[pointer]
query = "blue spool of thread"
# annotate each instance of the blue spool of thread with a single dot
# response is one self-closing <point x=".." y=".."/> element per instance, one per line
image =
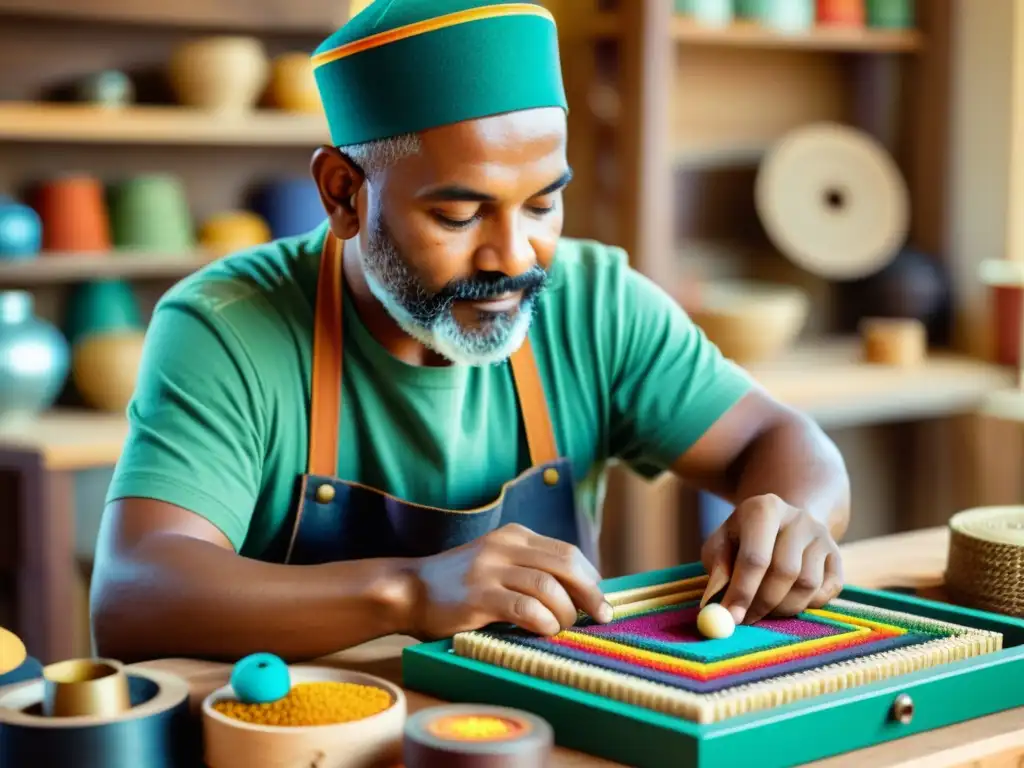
<point x="261" y="678"/>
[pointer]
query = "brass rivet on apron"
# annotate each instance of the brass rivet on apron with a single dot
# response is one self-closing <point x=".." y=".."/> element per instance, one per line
<point x="550" y="476"/>
<point x="325" y="493"/>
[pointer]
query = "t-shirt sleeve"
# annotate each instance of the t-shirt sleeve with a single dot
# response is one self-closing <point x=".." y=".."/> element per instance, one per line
<point x="669" y="384"/>
<point x="195" y="422"/>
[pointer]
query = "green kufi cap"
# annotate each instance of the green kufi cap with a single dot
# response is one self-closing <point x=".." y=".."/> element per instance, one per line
<point x="403" y="66"/>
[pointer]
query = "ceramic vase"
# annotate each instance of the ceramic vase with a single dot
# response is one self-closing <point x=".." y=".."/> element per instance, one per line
<point x="151" y="213"/>
<point x="105" y="366"/>
<point x="109" y="88"/>
<point x="292" y="87"/>
<point x="100" y="307"/>
<point x="74" y="213"/>
<point x="224" y="74"/>
<point x="891" y="14"/>
<point x="105" y="328"/>
<point x="21" y="231"/>
<point x="291" y="206"/>
<point x="788" y="16"/>
<point x="34" y="359"/>
<point x="841" y="13"/>
<point x="233" y="231"/>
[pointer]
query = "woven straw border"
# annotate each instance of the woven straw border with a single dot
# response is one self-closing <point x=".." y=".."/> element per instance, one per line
<point x="985" y="574"/>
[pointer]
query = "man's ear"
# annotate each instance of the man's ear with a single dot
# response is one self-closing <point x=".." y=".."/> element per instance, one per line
<point x="338" y="180"/>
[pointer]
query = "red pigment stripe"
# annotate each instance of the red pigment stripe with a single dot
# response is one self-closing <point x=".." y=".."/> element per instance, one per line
<point x="737" y="668"/>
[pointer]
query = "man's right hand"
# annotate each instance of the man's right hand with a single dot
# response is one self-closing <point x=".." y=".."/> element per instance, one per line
<point x="510" y="575"/>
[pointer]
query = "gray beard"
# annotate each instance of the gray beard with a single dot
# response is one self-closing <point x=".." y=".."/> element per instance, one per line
<point x="428" y="317"/>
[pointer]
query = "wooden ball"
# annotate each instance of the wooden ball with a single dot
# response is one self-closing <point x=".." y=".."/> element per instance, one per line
<point x="714" y="621"/>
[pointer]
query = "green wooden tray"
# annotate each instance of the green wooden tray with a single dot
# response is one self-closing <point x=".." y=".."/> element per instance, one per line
<point x="811" y="729"/>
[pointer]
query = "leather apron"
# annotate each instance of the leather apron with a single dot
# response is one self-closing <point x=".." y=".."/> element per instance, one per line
<point x="339" y="520"/>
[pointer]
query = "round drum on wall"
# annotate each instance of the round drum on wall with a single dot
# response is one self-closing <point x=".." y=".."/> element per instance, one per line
<point x="833" y="201"/>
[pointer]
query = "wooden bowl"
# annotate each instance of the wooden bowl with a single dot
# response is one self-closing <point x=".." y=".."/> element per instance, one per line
<point x="366" y="743"/>
<point x="750" y="320"/>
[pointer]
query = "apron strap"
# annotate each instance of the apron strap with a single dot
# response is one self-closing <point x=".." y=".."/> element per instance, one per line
<point x="325" y="395"/>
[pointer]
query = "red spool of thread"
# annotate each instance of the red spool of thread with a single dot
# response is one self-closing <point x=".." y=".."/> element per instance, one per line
<point x="844" y="13"/>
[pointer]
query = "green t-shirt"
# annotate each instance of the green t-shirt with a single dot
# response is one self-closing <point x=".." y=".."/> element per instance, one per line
<point x="218" y="424"/>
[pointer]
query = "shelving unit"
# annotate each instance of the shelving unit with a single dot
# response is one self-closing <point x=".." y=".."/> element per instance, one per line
<point x="713" y="101"/>
<point x="53" y="269"/>
<point x="162" y="125"/>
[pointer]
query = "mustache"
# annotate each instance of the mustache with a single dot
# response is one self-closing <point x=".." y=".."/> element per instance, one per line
<point x="487" y="285"/>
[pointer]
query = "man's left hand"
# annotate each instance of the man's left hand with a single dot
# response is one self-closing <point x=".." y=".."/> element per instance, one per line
<point x="775" y="558"/>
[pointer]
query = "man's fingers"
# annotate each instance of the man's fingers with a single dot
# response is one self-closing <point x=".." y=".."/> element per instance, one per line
<point x="716" y="555"/>
<point x="563" y="549"/>
<point x="832" y="582"/>
<point x="524" y="611"/>
<point x="808" y="583"/>
<point x="567" y="564"/>
<point x="545" y="588"/>
<point x="753" y="558"/>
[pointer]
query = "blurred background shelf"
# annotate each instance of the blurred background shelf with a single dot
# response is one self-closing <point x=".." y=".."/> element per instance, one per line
<point x="742" y="34"/>
<point x="826" y="379"/>
<point x="85" y="124"/>
<point x="59" y="268"/>
<point x="294" y="16"/>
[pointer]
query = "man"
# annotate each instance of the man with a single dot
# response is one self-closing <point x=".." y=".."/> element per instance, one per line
<point x="397" y="423"/>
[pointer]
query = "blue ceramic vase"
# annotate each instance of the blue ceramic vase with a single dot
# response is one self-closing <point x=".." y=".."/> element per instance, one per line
<point x="34" y="359"/>
<point x="291" y="206"/>
<point x="21" y="231"/>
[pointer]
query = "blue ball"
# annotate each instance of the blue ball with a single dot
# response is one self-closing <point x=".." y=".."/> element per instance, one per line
<point x="260" y="678"/>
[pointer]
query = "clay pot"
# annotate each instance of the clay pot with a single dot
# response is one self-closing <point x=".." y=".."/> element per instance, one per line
<point x="74" y="213"/>
<point x="233" y="231"/>
<point x="224" y="74"/>
<point x="105" y="366"/>
<point x="151" y="213"/>
<point x="845" y="13"/>
<point x="292" y="87"/>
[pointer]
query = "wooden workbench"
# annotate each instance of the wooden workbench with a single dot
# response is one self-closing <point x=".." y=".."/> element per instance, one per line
<point x="907" y="560"/>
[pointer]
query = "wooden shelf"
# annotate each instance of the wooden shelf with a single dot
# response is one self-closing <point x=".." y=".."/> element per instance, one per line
<point x="319" y="17"/>
<point x="752" y="35"/>
<point x="699" y="157"/>
<point x="55" y="268"/>
<point x="828" y="381"/>
<point x="824" y="380"/>
<point x="69" y="439"/>
<point x="82" y="123"/>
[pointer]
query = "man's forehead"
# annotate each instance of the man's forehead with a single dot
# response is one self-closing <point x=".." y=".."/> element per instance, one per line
<point x="523" y="135"/>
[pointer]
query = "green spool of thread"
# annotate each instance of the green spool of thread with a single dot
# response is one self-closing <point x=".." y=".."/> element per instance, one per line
<point x="891" y="14"/>
<point x="101" y="306"/>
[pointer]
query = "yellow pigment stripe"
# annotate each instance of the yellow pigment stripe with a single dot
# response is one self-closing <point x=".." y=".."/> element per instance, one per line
<point x="845" y="619"/>
<point x="430" y="25"/>
<point x="674" y="662"/>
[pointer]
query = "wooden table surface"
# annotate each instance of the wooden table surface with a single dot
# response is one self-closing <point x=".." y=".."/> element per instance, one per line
<point x="907" y="560"/>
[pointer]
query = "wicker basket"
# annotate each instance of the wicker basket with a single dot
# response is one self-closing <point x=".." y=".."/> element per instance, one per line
<point x="986" y="559"/>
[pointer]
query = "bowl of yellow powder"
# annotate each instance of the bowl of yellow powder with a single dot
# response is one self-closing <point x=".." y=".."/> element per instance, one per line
<point x="340" y="718"/>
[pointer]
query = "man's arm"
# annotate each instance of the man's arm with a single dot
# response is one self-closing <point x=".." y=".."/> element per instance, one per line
<point x="777" y="552"/>
<point x="168" y="583"/>
<point x="759" y="448"/>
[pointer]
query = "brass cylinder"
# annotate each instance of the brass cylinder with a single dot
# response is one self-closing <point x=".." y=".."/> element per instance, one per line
<point x="85" y="687"/>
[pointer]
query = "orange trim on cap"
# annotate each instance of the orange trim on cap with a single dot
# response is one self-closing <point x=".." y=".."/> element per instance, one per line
<point x="429" y="25"/>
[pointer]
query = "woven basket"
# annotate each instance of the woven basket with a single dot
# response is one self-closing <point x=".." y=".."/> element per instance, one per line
<point x="986" y="559"/>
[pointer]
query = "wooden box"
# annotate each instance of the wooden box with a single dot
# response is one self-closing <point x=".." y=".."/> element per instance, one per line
<point x="809" y="729"/>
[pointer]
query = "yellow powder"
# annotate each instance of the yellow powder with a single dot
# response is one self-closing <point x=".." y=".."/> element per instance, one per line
<point x="311" y="704"/>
